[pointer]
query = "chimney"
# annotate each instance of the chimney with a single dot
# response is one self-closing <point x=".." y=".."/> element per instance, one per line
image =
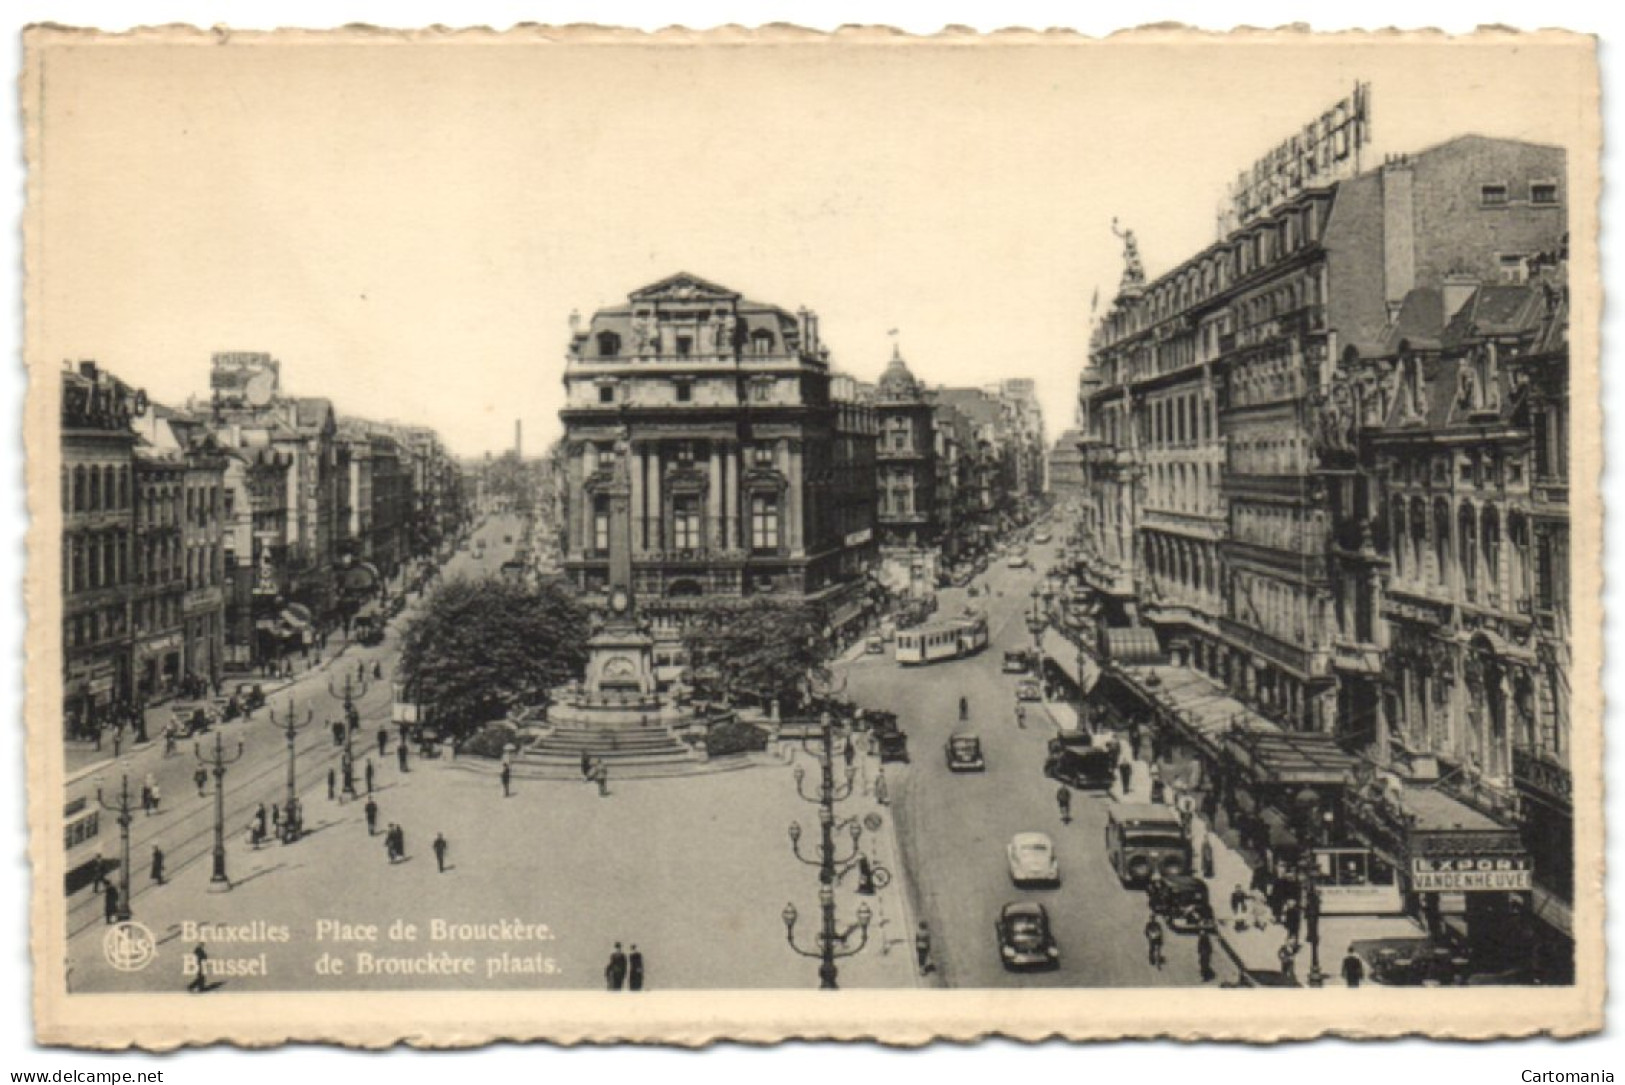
<point x="1458" y="288"/>
<point x="87" y="369"/>
<point x="1398" y="230"/>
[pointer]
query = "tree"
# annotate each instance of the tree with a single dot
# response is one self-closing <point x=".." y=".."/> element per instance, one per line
<point x="760" y="649"/>
<point x="480" y="647"/>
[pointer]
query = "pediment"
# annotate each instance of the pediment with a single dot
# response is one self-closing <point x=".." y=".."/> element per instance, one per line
<point x="684" y="287"/>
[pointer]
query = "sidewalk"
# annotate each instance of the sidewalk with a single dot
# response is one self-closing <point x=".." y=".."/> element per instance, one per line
<point x="1253" y="939"/>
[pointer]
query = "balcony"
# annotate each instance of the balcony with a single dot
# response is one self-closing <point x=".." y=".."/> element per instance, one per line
<point x="1356" y="657"/>
<point x="1308" y="662"/>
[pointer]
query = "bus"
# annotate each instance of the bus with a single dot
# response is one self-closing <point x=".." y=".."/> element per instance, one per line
<point x="934" y="641"/>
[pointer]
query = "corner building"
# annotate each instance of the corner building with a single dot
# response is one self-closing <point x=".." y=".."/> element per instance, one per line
<point x="731" y="427"/>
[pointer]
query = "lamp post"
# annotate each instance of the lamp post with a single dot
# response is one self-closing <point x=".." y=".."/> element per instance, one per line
<point x="121" y="807"/>
<point x="217" y="761"/>
<point x="831" y="944"/>
<point x="352" y="718"/>
<point x="290" y="726"/>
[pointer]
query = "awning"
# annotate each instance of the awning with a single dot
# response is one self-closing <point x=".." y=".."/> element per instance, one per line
<point x="297" y="615"/>
<point x="1288" y="758"/>
<point x="1134" y="646"/>
<point x="1202" y="708"/>
<point x="1067" y="657"/>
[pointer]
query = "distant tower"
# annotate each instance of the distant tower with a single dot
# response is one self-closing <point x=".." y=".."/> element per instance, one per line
<point x="519" y="438"/>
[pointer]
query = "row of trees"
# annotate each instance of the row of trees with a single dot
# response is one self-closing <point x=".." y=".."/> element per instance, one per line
<point x="479" y="648"/>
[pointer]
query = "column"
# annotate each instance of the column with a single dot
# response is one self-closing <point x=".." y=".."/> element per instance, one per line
<point x="796" y="497"/>
<point x="731" y="497"/>
<point x="635" y="469"/>
<point x="713" y="501"/>
<point x="656" y="513"/>
<point x="578" y="499"/>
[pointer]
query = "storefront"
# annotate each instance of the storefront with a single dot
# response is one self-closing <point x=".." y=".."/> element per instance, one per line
<point x="1546" y="815"/>
<point x="1463" y="873"/>
<point x="158" y="665"/>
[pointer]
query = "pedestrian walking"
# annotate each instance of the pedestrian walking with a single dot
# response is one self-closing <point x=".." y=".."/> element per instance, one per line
<point x="110" y="901"/>
<point x="400" y="755"/>
<point x="1291" y="918"/>
<point x="360" y="671"/>
<point x="922" y="949"/>
<point x="440" y="851"/>
<point x="349" y="780"/>
<point x="332" y="784"/>
<point x="1289" y="960"/>
<point x="1063" y="799"/>
<point x="1353" y="969"/>
<point x="383" y="741"/>
<point x="146" y="799"/>
<point x="157" y="799"/>
<point x="1125" y="773"/>
<point x="634" y="970"/>
<point x="276" y="818"/>
<point x="1207" y="854"/>
<point x="866" y="876"/>
<point x="602" y="773"/>
<point x="1134" y="740"/>
<point x="389" y="842"/>
<point x="507" y="776"/>
<point x="882" y="793"/>
<point x="372" y="817"/>
<point x="369" y="775"/>
<point x="1204" y="955"/>
<point x="338" y="733"/>
<point x="586" y="765"/>
<point x="1153" y="942"/>
<point x="400" y="842"/>
<point x="849" y="752"/>
<point x="199" y="957"/>
<point x="157" y="865"/>
<point x="615" y="971"/>
<point x="98" y="873"/>
<point x="377" y="671"/>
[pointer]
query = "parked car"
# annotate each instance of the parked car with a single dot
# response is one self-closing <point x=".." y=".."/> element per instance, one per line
<point x="1182" y="901"/>
<point x="1028" y="690"/>
<point x="1016" y="662"/>
<point x="1032" y="860"/>
<point x="1082" y="760"/>
<point x="875" y="644"/>
<point x="1041" y="538"/>
<point x="964" y="753"/>
<point x="1025" y="938"/>
<point x="1017" y="561"/>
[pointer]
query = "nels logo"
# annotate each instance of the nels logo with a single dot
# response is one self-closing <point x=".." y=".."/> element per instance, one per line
<point x="129" y="946"/>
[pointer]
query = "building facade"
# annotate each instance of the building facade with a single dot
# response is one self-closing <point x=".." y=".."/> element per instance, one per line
<point x="725" y="406"/>
<point x="98" y="510"/>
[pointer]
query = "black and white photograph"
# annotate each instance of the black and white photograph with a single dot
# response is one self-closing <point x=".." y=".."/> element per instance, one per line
<point x="829" y="524"/>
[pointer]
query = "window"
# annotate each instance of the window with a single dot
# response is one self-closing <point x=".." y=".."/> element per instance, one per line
<point x="600" y="525"/>
<point x="1513" y="267"/>
<point x="1543" y="192"/>
<point x="764" y="522"/>
<point x="762" y="455"/>
<point x="685" y="345"/>
<point x="1493" y="195"/>
<point x="685" y="522"/>
<point x="761" y="342"/>
<point x="606" y="393"/>
<point x="609" y="344"/>
<point x="685" y="391"/>
<point x="685" y="453"/>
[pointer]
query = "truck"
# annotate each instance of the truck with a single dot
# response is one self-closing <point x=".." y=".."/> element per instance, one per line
<point x="1146" y="838"/>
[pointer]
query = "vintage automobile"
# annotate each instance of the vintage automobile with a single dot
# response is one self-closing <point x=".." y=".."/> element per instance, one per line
<point x="1032" y="860"/>
<point x="1029" y="690"/>
<point x="964" y="752"/>
<point x="1025" y="939"/>
<point x="1182" y="901"/>
<point x="891" y="741"/>
<point x="1082" y="760"/>
<point x="1042" y="538"/>
<point x="194" y="717"/>
<point x="875" y="644"/>
<point x="1017" y="561"/>
<point x="1018" y="661"/>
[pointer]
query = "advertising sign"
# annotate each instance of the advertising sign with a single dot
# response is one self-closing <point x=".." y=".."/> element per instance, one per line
<point x="1326" y="150"/>
<point x="1444" y="874"/>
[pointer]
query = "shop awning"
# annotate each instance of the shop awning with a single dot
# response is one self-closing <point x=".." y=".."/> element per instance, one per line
<point x="1202" y="707"/>
<point x="1135" y="646"/>
<point x="1288" y="758"/>
<point x="1067" y="657"/>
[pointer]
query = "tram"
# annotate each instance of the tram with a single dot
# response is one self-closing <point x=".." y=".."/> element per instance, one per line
<point x="932" y="642"/>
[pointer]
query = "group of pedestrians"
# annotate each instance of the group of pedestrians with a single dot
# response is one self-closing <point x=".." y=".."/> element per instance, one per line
<point x="395" y="843"/>
<point x="624" y="970"/>
<point x="150" y="795"/>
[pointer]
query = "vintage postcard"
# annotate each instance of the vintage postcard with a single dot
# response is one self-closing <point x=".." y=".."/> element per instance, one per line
<point x="590" y="535"/>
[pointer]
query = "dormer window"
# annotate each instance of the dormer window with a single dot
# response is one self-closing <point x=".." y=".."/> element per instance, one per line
<point x="761" y="342"/>
<point x="609" y="344"/>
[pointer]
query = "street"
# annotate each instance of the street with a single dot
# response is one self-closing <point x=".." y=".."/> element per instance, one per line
<point x="955" y="826"/>
<point x="184" y="825"/>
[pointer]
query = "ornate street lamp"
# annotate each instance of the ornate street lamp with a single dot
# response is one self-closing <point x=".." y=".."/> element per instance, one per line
<point x="832" y="944"/>
<point x="218" y="762"/>
<point x="830" y="869"/>
<point x="292" y="823"/>
<point x="121" y="807"/>
<point x="352" y="718"/>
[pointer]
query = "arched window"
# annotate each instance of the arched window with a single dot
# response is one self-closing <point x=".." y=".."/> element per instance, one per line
<point x="109" y="488"/>
<point x="1441" y="541"/>
<point x="1467" y="547"/>
<point x="1490" y="542"/>
<point x="1396" y="532"/>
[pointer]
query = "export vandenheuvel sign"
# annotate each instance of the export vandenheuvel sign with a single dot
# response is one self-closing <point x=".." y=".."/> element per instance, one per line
<point x="1447" y="874"/>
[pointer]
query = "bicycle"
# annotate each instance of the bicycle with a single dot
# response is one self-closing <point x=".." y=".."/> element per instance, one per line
<point x="878" y="874"/>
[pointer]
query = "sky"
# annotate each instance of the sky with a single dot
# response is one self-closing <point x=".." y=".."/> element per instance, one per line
<point x="409" y="226"/>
